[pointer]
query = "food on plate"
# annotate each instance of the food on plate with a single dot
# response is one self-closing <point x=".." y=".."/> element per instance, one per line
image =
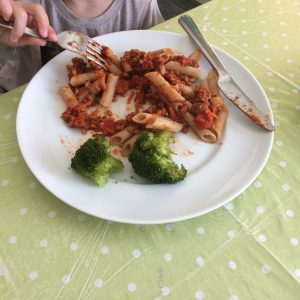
<point x="93" y="160"/>
<point x="164" y="91"/>
<point x="151" y="158"/>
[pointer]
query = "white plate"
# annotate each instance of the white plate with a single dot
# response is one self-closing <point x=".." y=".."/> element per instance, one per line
<point x="216" y="173"/>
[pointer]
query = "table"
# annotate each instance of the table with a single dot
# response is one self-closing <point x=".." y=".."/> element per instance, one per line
<point x="248" y="249"/>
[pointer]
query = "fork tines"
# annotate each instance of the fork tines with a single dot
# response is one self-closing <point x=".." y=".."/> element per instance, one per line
<point x="96" y="54"/>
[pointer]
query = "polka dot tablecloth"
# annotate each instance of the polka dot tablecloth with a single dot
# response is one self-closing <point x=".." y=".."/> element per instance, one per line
<point x="249" y="249"/>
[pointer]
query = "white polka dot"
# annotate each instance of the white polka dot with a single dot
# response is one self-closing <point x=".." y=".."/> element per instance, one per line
<point x="262" y="238"/>
<point x="257" y="184"/>
<point x="33" y="275"/>
<point x="265" y="269"/>
<point x="243" y="9"/>
<point x="167" y="26"/>
<point x="286" y="47"/>
<point x="279" y="143"/>
<point x="52" y="214"/>
<point x="289" y="61"/>
<point x="294" y="241"/>
<point x="259" y="210"/>
<point x="165" y="291"/>
<point x="105" y="250"/>
<point x="231" y="234"/>
<point x="7" y="116"/>
<point x="224" y="30"/>
<point x="295" y="92"/>
<point x="131" y="287"/>
<point x="74" y="246"/>
<point x="297" y="272"/>
<point x="264" y="33"/>
<point x="224" y="7"/>
<point x="81" y="217"/>
<point x="23" y="211"/>
<point x="267" y="59"/>
<point x="286" y="187"/>
<point x="66" y="279"/>
<point x="232" y="265"/>
<point x="200" y="261"/>
<point x="98" y="283"/>
<point x="245" y="44"/>
<point x="12" y="239"/>
<point x="14" y="159"/>
<point x="282" y="164"/>
<point x="291" y="75"/>
<point x="269" y="73"/>
<point x="201" y="230"/>
<point x="229" y="206"/>
<point x="225" y="43"/>
<point x="224" y="19"/>
<point x="199" y="295"/>
<point x="271" y="89"/>
<point x="290" y="213"/>
<point x="170" y="227"/>
<point x="32" y="185"/>
<point x="4" y="182"/>
<point x="261" y="11"/>
<point x="3" y="270"/>
<point x="246" y="57"/>
<point x="136" y="253"/>
<point x="233" y="297"/>
<point x="266" y="46"/>
<point x="168" y="257"/>
<point x="284" y="35"/>
<point x="43" y="243"/>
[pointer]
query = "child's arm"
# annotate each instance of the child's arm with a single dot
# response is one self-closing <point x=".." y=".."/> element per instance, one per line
<point x="24" y="14"/>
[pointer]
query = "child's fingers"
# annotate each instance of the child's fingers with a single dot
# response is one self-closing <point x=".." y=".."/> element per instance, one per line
<point x="39" y="15"/>
<point x="26" y="40"/>
<point x="52" y="34"/>
<point x="20" y="22"/>
<point x="6" y="9"/>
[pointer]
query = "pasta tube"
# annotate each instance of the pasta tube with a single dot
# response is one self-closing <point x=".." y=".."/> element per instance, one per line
<point x="109" y="91"/>
<point x="185" y="70"/>
<point x="122" y="136"/>
<point x="212" y="81"/>
<point x="129" y="144"/>
<point x="68" y="96"/>
<point x="80" y="79"/>
<point x="164" y="87"/>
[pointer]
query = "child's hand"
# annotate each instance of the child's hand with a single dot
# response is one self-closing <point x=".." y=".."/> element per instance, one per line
<point x="22" y="15"/>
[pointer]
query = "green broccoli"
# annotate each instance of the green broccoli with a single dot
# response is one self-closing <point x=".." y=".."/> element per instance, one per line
<point x="151" y="158"/>
<point x="94" y="161"/>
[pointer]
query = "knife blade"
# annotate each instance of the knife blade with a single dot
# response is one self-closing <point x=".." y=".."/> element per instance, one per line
<point x="226" y="83"/>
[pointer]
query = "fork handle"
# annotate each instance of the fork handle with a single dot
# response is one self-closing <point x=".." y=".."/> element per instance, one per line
<point x="28" y="31"/>
<point x="200" y="40"/>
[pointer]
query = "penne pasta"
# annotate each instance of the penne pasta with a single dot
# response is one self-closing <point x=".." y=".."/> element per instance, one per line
<point x="218" y="128"/>
<point x="122" y="136"/>
<point x="196" y="55"/>
<point x="185" y="70"/>
<point x="80" y="79"/>
<point x="142" y="118"/>
<point x="109" y="91"/>
<point x="162" y="123"/>
<point x="212" y="81"/>
<point x="114" y="69"/>
<point x="205" y="135"/>
<point x="68" y="96"/>
<point x="129" y="144"/>
<point x="164" y="87"/>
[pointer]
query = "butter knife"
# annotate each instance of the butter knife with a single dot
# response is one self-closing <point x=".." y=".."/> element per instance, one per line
<point x="226" y="83"/>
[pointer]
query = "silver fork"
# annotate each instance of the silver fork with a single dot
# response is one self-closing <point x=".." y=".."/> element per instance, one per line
<point x="73" y="41"/>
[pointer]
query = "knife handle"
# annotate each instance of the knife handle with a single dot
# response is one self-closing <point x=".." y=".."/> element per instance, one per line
<point x="200" y="40"/>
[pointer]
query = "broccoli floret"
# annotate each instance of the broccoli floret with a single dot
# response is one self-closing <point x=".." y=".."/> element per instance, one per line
<point x="151" y="158"/>
<point x="94" y="161"/>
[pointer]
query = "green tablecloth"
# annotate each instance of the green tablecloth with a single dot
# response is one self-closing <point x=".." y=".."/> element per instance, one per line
<point x="249" y="249"/>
